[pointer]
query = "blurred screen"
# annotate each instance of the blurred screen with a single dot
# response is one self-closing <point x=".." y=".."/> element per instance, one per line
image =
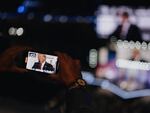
<point x="126" y="64"/>
<point x="110" y="23"/>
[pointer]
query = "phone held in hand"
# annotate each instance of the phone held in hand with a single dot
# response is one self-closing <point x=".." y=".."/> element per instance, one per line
<point x="42" y="62"/>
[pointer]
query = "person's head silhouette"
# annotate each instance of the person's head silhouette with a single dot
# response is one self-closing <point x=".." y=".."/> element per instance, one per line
<point x="124" y="17"/>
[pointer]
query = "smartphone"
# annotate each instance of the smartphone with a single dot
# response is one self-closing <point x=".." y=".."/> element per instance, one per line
<point x="42" y="62"/>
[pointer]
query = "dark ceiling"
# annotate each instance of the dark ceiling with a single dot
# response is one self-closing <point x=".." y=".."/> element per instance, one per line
<point x="68" y="7"/>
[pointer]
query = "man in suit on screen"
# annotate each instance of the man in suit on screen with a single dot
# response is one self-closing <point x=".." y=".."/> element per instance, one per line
<point x="126" y="30"/>
<point x="42" y="64"/>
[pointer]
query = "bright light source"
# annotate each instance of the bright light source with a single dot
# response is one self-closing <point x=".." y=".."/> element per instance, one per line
<point x="21" y="9"/>
<point x="19" y="31"/>
<point x="128" y="64"/>
<point x="93" y="58"/>
<point x="47" y="18"/>
<point x="119" y="43"/>
<point x="144" y="45"/>
<point x="12" y="31"/>
<point x="138" y="45"/>
<point x="106" y="24"/>
<point x="149" y="45"/>
<point x="132" y="45"/>
<point x="125" y="44"/>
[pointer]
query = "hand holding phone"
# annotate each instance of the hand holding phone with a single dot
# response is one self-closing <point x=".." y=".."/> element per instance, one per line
<point x="8" y="59"/>
<point x="68" y="72"/>
<point x="69" y="69"/>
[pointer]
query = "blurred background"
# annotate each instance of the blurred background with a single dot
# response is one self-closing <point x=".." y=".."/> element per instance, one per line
<point x="89" y="30"/>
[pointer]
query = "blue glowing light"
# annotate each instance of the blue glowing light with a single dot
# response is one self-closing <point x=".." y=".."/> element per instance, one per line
<point x="21" y="9"/>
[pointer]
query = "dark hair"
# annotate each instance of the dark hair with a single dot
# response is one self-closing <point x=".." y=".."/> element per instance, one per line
<point x="125" y="14"/>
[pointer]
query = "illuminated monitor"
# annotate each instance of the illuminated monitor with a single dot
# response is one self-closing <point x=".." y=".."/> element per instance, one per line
<point x="127" y="66"/>
<point x="123" y="22"/>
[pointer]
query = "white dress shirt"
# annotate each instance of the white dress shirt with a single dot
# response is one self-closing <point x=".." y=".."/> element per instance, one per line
<point x="125" y="29"/>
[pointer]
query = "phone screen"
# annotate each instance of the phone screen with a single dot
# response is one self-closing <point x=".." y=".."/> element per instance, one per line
<point x="42" y="62"/>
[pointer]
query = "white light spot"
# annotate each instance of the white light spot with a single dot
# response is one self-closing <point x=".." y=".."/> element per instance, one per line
<point x="12" y="31"/>
<point x="19" y="31"/>
<point x="47" y="18"/>
<point x="144" y="45"/>
<point x="93" y="58"/>
<point x="138" y="45"/>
